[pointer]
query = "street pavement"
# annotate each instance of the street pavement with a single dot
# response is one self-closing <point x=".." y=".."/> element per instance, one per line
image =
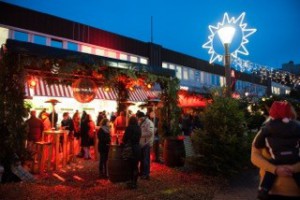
<point x="243" y="187"/>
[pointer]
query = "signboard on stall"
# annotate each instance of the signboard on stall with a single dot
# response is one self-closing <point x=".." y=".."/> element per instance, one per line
<point x="84" y="90"/>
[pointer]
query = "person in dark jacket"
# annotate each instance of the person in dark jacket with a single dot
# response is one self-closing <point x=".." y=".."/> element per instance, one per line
<point x="35" y="129"/>
<point x="87" y="128"/>
<point x="281" y="135"/>
<point x="132" y="137"/>
<point x="103" y="146"/>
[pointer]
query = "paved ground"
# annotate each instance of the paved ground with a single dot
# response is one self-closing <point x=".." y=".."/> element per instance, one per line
<point x="243" y="187"/>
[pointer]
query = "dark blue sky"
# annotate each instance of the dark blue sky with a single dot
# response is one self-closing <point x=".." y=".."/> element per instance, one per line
<point x="183" y="25"/>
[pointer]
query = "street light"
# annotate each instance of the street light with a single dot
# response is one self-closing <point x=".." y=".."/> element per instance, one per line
<point x="226" y="35"/>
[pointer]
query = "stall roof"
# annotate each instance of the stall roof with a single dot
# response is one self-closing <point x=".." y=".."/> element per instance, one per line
<point x="58" y="90"/>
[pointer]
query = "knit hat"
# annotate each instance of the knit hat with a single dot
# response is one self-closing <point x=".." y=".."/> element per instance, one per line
<point x="281" y="110"/>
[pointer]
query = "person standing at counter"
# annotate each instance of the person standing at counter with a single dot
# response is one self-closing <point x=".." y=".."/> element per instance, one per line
<point x="87" y="130"/>
<point x="68" y="124"/>
<point x="76" y="121"/>
<point x="103" y="146"/>
<point x="35" y="129"/>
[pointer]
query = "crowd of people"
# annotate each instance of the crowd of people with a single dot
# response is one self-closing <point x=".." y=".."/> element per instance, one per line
<point x="137" y="131"/>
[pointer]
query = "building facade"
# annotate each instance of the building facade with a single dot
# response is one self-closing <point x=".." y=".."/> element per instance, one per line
<point x="196" y="75"/>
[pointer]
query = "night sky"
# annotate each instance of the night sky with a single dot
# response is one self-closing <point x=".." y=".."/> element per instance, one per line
<point x="183" y="25"/>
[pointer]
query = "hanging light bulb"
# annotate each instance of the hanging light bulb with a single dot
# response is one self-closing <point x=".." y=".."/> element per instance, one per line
<point x="32" y="82"/>
<point x="106" y="89"/>
<point x="149" y="85"/>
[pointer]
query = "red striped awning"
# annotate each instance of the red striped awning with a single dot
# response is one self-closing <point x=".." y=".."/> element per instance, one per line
<point x="59" y="90"/>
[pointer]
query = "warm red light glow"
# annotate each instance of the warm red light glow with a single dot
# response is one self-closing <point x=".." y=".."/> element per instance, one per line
<point x="131" y="88"/>
<point x="106" y="89"/>
<point x="190" y="100"/>
<point x="32" y="83"/>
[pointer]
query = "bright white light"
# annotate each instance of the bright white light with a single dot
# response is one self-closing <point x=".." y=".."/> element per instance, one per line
<point x="239" y="22"/>
<point x="226" y="34"/>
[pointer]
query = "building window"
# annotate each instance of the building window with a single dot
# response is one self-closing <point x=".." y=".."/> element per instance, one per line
<point x="171" y="66"/>
<point x="202" y="77"/>
<point x="144" y="61"/>
<point x="22" y="36"/>
<point x="86" y="49"/>
<point x="123" y="56"/>
<point x="192" y="75"/>
<point x="56" y="43"/>
<point x="165" y="65"/>
<point x="275" y="90"/>
<point x="185" y="74"/>
<point x="38" y="39"/>
<point x="287" y="92"/>
<point x="133" y="59"/>
<point x="213" y="79"/>
<point x="197" y="76"/>
<point x="4" y="35"/>
<point x="217" y="80"/>
<point x="222" y="81"/>
<point x="72" y="46"/>
<point x="179" y="72"/>
<point x="100" y="52"/>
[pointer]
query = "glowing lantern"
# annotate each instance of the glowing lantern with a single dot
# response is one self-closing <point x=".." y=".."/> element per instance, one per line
<point x="106" y="89"/>
<point x="84" y="90"/>
<point x="32" y="83"/>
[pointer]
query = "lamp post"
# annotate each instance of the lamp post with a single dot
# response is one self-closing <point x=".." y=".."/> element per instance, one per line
<point x="226" y="35"/>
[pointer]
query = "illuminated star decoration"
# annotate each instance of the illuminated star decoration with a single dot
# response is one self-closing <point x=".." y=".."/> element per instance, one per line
<point x="239" y="22"/>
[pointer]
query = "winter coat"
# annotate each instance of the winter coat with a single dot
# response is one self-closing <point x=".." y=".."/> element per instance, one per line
<point x="132" y="136"/>
<point x="281" y="139"/>
<point x="85" y="128"/>
<point x="104" y="139"/>
<point x="147" y="128"/>
<point x="36" y="128"/>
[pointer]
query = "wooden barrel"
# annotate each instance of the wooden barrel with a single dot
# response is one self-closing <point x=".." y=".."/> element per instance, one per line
<point x="174" y="152"/>
<point x="118" y="169"/>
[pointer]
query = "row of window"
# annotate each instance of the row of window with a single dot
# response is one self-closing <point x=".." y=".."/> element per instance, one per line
<point x="70" y="45"/>
<point x="196" y="78"/>
<point x="187" y="74"/>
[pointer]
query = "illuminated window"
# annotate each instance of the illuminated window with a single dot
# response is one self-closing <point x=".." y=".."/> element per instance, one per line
<point x="171" y="66"/>
<point x="4" y="34"/>
<point x="56" y="43"/>
<point x="222" y="81"/>
<point x="100" y="52"/>
<point x="202" y="77"/>
<point x="38" y="39"/>
<point x="133" y="59"/>
<point x="185" y="74"/>
<point x="179" y="72"/>
<point x="197" y="76"/>
<point x="287" y="91"/>
<point x="86" y="49"/>
<point x="144" y="61"/>
<point x="275" y="90"/>
<point x="192" y="74"/>
<point x="72" y="46"/>
<point x="22" y="36"/>
<point x="164" y="65"/>
<point x="112" y="54"/>
<point x="123" y="56"/>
